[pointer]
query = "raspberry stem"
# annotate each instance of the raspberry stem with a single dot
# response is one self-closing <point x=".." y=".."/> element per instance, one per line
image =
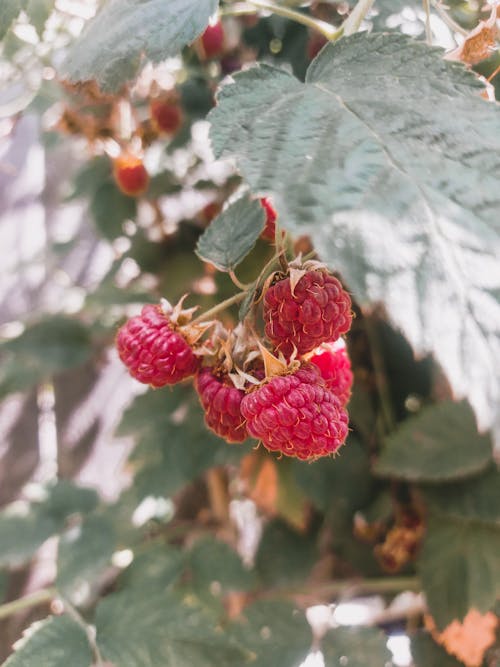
<point x="326" y="29"/>
<point x="27" y="602"/>
<point x="237" y="298"/>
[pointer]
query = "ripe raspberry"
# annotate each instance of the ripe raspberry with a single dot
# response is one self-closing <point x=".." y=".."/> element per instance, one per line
<point x="213" y="40"/>
<point x="335" y="368"/>
<point x="296" y="415"/>
<point x="130" y="175"/>
<point x="167" y="116"/>
<point x="318" y="311"/>
<point x="271" y="216"/>
<point x="153" y="351"/>
<point x="221" y="401"/>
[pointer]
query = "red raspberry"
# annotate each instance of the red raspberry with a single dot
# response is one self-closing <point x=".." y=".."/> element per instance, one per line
<point x="296" y="415"/>
<point x="335" y="368"/>
<point x="130" y="175"/>
<point x="153" y="351"/>
<point x="213" y="40"/>
<point x="318" y="311"/>
<point x="271" y="216"/>
<point x="167" y="116"/>
<point x="221" y="401"/>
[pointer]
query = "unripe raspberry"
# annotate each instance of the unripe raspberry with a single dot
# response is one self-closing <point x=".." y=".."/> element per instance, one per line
<point x="271" y="216"/>
<point x="335" y="368"/>
<point x="221" y="401"/>
<point x="296" y="415"/>
<point x="153" y="351"/>
<point x="317" y="311"/>
<point x="130" y="175"/>
<point x="167" y="116"/>
<point x="212" y="40"/>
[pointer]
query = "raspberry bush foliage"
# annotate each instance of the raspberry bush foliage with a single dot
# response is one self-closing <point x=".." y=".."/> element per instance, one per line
<point x="250" y="333"/>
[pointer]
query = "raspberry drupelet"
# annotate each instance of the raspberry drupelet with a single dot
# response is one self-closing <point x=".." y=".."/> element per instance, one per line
<point x="221" y="402"/>
<point x="297" y="415"/>
<point x="335" y="368"/>
<point x="317" y="310"/>
<point x="154" y="352"/>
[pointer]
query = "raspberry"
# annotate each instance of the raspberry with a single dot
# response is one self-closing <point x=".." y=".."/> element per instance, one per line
<point x="296" y="415"/>
<point x="335" y="368"/>
<point x="318" y="311"/>
<point x="213" y="40"/>
<point x="130" y="175"/>
<point x="153" y="351"/>
<point x="221" y="401"/>
<point x="271" y="216"/>
<point x="167" y="116"/>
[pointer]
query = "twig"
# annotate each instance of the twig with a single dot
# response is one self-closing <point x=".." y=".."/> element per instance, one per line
<point x="453" y="25"/>
<point x="428" y="31"/>
<point x="356" y="17"/>
<point x="32" y="600"/>
<point x="380" y="376"/>
<point x="328" y="30"/>
<point x="78" y="618"/>
<point x="220" y="307"/>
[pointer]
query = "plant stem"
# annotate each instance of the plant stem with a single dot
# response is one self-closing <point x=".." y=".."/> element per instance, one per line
<point x="238" y="282"/>
<point x="220" y="307"/>
<point x="453" y="25"/>
<point x="428" y="31"/>
<point x="32" y="600"/>
<point x="355" y="18"/>
<point x="78" y="618"/>
<point x="326" y="29"/>
<point x="380" y="375"/>
<point x="350" y="588"/>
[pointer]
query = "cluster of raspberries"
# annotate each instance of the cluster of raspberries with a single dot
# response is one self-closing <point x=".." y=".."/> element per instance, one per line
<point x="300" y="411"/>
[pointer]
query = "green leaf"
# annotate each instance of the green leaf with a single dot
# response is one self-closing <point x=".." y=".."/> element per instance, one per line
<point x="212" y="561"/>
<point x="53" y="642"/>
<point x="459" y="567"/>
<point x="84" y="551"/>
<point x="345" y="479"/>
<point x="9" y="11"/>
<point x="174" y="445"/>
<point x="38" y="12"/>
<point x="275" y="633"/>
<point x="427" y="653"/>
<point x="150" y="629"/>
<point x="50" y="346"/>
<point x="284" y="557"/>
<point x="475" y="499"/>
<point x="156" y="569"/>
<point x="24" y="528"/>
<point x="111" y="208"/>
<point x="388" y="158"/>
<point x="111" y="48"/>
<point x="441" y="443"/>
<point x="232" y="235"/>
<point x="362" y="648"/>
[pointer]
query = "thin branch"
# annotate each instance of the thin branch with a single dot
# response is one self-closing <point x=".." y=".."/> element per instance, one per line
<point x="326" y="29"/>
<point x="32" y="600"/>
<point x="237" y="298"/>
<point x="428" y="31"/>
<point x="89" y="631"/>
<point x="356" y="17"/>
<point x="453" y="25"/>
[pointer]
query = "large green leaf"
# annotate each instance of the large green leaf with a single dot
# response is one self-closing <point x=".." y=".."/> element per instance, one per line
<point x="476" y="499"/>
<point x="174" y="445"/>
<point x="232" y="234"/>
<point x="212" y="561"/>
<point x="274" y="633"/>
<point x="23" y="529"/>
<point x="439" y="444"/>
<point x="111" y="48"/>
<point x="84" y="551"/>
<point x="459" y="566"/>
<point x="50" y="346"/>
<point x="361" y="647"/>
<point x="9" y="10"/>
<point x="427" y="653"/>
<point x="54" y="642"/>
<point x="153" y="629"/>
<point x="388" y="157"/>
